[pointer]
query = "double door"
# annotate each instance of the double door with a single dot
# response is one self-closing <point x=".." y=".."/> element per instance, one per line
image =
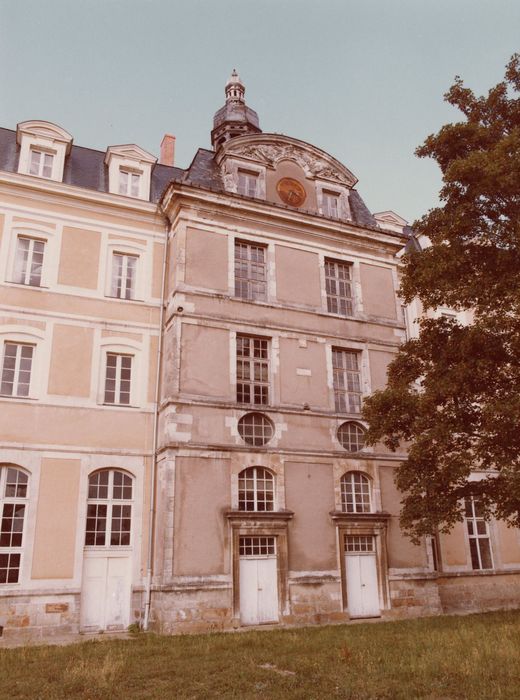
<point x="106" y="592"/>
<point x="258" y="581"/>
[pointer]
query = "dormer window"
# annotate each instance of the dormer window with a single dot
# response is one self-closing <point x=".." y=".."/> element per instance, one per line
<point x="330" y="204"/>
<point x="43" y="149"/>
<point x="247" y="183"/>
<point x="129" y="183"/>
<point x="129" y="171"/>
<point x="41" y="163"/>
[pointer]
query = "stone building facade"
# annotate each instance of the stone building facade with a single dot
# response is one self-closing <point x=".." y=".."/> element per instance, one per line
<point x="184" y="358"/>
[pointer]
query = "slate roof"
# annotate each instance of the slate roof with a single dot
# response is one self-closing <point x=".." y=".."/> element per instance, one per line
<point x="85" y="167"/>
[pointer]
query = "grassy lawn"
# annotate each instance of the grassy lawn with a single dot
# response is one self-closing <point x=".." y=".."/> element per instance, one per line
<point x="438" y="658"/>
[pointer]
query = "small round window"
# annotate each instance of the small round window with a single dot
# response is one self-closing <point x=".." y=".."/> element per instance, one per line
<point x="351" y="436"/>
<point x="255" y="429"/>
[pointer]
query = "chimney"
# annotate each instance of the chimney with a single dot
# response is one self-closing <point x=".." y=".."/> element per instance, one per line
<point x="167" y="150"/>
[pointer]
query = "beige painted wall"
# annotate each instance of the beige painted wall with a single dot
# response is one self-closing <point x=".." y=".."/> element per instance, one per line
<point x="205" y="361"/>
<point x="158" y="254"/>
<point x="508" y="543"/>
<point x="206" y="260"/>
<point x="379" y="362"/>
<point x="378" y="291"/>
<point x="287" y="168"/>
<point x="297" y="276"/>
<point x="401" y="552"/>
<point x="202" y="493"/>
<point x="2" y="219"/>
<point x="71" y="361"/>
<point x="79" y="259"/>
<point x="152" y="368"/>
<point x="296" y="387"/>
<point x="56" y="519"/>
<point x="309" y="492"/>
<point x="453" y="546"/>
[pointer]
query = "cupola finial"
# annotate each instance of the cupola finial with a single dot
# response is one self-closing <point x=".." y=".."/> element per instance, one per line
<point x="235" y="89"/>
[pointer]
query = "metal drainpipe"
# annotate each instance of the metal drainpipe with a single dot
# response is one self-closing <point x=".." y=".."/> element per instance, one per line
<point x="153" y="470"/>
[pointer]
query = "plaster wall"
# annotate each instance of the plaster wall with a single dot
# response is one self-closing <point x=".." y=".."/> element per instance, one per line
<point x="206" y="260"/>
<point x="378" y="291"/>
<point x="55" y="535"/>
<point x="79" y="258"/>
<point x="71" y="361"/>
<point x="309" y="492"/>
<point x="203" y="492"/>
<point x="379" y="361"/>
<point x="303" y="373"/>
<point x="402" y="554"/>
<point x="205" y="361"/>
<point x="297" y="276"/>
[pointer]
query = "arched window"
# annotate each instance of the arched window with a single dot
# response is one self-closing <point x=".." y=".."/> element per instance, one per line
<point x="255" y="489"/>
<point x="355" y="493"/>
<point x="109" y="509"/>
<point x="13" y="504"/>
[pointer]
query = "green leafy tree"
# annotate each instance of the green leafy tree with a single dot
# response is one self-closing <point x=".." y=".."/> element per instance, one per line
<point x="453" y="394"/>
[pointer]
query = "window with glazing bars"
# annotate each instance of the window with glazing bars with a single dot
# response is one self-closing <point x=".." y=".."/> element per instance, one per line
<point x="330" y="204"/>
<point x="123" y="275"/>
<point x="338" y="285"/>
<point x="355" y="493"/>
<point x="252" y="370"/>
<point x="347" y="381"/>
<point x="16" y="369"/>
<point x="247" y="183"/>
<point x="255" y="489"/>
<point x="109" y="513"/>
<point x="250" y="271"/>
<point x="118" y="378"/>
<point x="359" y="543"/>
<point x="257" y="546"/>
<point x="28" y="261"/>
<point x="41" y="163"/>
<point x="13" y="504"/>
<point x="478" y="533"/>
<point x="129" y="183"/>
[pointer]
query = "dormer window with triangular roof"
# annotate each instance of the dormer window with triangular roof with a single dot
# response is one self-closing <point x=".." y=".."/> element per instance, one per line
<point x="129" y="171"/>
<point x="43" y="149"/>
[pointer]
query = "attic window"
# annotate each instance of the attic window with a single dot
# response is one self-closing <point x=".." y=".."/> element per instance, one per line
<point x="129" y="183"/>
<point x="41" y="163"/>
<point x="330" y="204"/>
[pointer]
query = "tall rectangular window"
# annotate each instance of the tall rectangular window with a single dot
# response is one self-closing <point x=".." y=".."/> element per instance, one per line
<point x="13" y="504"/>
<point x="252" y="370"/>
<point x="124" y="269"/>
<point x="247" y="183"/>
<point x="129" y="183"/>
<point x="330" y="204"/>
<point x="478" y="533"/>
<point x="41" y="163"/>
<point x="250" y="271"/>
<point x="118" y="379"/>
<point x="28" y="262"/>
<point x="16" y="369"/>
<point x="338" y="284"/>
<point x="347" y="381"/>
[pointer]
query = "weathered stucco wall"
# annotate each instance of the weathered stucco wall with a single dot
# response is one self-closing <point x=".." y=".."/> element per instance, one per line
<point x="206" y="260"/>
<point x="378" y="291"/>
<point x="297" y="276"/>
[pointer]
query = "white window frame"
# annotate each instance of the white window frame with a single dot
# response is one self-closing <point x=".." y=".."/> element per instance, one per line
<point x="119" y="284"/>
<point x="132" y="159"/>
<point x="253" y="473"/>
<point x="17" y="370"/>
<point x="138" y="381"/>
<point x="50" y="261"/>
<point x="43" y="165"/>
<point x="25" y="271"/>
<point x="130" y="182"/>
<point x="28" y="335"/>
<point x="474" y="520"/>
<point x="324" y="189"/>
<point x="142" y="267"/>
<point x="231" y="166"/>
<point x="246" y="178"/>
<point x="17" y="500"/>
<point x="249" y="279"/>
<point x="252" y="383"/>
<point x="120" y="360"/>
<point x="359" y="502"/>
<point x="346" y="371"/>
<point x="110" y="502"/>
<point x="337" y="279"/>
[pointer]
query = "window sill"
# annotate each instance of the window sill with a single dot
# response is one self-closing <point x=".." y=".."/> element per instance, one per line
<point x="26" y="284"/>
<point x="19" y="398"/>
<point x="109" y="296"/>
<point x="119" y="405"/>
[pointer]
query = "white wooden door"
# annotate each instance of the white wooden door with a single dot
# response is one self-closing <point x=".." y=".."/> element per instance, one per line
<point x="362" y="588"/>
<point x="105" y="594"/>
<point x="258" y="583"/>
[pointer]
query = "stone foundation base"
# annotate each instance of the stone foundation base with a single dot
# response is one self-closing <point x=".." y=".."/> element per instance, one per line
<point x="479" y="592"/>
<point x="34" y="617"/>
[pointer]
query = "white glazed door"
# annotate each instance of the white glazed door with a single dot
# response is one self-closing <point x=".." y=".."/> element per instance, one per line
<point x="258" y="581"/>
<point x="361" y="571"/>
<point x="105" y="597"/>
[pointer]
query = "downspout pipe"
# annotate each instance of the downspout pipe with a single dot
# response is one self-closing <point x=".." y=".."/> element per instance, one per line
<point x="153" y="468"/>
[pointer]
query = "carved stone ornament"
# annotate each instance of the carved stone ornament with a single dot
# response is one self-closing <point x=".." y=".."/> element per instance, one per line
<point x="313" y="166"/>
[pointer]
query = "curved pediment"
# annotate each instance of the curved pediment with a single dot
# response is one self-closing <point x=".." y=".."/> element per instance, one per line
<point x="270" y="149"/>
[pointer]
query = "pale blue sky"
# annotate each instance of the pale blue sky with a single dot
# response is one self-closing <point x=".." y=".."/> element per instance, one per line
<point x="361" y="79"/>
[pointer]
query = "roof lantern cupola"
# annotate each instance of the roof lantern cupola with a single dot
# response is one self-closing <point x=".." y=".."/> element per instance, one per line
<point x="235" y="118"/>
